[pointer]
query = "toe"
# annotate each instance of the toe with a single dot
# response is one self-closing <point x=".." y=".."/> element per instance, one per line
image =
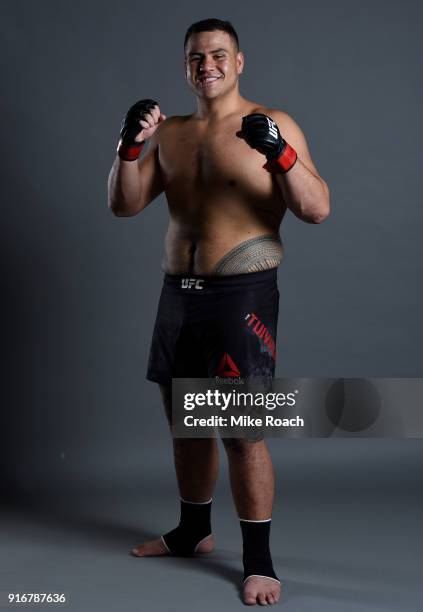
<point x="250" y="600"/>
<point x="249" y="597"/>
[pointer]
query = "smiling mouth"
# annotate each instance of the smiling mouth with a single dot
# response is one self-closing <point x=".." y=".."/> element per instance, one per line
<point x="207" y="80"/>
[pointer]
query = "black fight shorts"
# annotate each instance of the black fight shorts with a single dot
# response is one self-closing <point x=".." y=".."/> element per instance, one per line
<point x="210" y="326"/>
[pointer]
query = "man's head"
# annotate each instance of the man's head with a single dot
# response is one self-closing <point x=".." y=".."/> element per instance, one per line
<point x="213" y="61"/>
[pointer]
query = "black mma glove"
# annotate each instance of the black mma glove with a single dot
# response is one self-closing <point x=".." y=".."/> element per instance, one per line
<point x="128" y="149"/>
<point x="262" y="134"/>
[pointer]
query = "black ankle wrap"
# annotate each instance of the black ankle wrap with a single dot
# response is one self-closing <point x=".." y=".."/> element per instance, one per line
<point x="193" y="527"/>
<point x="256" y="555"/>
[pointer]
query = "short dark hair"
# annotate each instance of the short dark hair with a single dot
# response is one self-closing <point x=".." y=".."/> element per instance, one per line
<point x="210" y="25"/>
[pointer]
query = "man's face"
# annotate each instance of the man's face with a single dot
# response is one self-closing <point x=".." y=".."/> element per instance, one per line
<point x="212" y="63"/>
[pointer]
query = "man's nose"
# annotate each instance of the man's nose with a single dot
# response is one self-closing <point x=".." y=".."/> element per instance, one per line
<point x="207" y="64"/>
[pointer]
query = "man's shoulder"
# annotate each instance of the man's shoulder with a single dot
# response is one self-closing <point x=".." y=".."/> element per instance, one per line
<point x="170" y="125"/>
<point x="174" y="121"/>
<point x="286" y="124"/>
<point x="274" y="113"/>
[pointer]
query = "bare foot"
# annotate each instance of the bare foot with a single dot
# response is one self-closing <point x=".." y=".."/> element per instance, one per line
<point x="155" y="548"/>
<point x="261" y="590"/>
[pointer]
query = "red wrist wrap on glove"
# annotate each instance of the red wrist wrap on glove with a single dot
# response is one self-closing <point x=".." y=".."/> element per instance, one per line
<point x="129" y="152"/>
<point x="284" y="162"/>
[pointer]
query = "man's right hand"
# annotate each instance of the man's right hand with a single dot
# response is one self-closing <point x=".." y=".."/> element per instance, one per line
<point x="139" y="125"/>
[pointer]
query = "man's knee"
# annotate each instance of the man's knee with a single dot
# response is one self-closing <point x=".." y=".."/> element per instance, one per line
<point x="242" y="446"/>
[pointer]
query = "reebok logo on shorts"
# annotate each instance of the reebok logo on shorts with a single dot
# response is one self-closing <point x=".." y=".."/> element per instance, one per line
<point x="255" y="326"/>
<point x="227" y="367"/>
<point x="190" y="283"/>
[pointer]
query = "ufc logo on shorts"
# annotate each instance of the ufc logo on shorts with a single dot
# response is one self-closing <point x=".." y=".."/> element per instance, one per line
<point x="192" y="283"/>
<point x="272" y="128"/>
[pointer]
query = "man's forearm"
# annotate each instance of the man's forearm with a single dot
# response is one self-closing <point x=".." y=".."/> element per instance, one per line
<point x="124" y="188"/>
<point x="304" y="193"/>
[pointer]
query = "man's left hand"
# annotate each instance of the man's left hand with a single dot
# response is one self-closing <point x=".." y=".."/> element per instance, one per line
<point x="262" y="134"/>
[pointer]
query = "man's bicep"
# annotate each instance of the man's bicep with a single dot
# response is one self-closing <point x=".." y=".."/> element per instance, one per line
<point x="293" y="134"/>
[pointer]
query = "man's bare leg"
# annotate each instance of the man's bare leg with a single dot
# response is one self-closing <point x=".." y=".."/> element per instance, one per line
<point x="253" y="484"/>
<point x="196" y="465"/>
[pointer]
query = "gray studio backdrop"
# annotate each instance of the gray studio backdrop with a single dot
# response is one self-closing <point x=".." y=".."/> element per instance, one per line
<point x="80" y="287"/>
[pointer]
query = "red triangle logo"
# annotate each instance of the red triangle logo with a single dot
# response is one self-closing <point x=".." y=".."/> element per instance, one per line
<point x="227" y="367"/>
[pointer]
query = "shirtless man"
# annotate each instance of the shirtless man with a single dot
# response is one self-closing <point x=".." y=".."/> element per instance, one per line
<point x="230" y="170"/>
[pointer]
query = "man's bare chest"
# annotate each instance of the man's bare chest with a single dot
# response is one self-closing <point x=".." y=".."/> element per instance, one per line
<point x="210" y="157"/>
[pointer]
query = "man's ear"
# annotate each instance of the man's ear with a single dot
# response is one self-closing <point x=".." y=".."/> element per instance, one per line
<point x="240" y="62"/>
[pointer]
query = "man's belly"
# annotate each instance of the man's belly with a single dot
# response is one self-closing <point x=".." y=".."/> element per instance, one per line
<point x="221" y="253"/>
